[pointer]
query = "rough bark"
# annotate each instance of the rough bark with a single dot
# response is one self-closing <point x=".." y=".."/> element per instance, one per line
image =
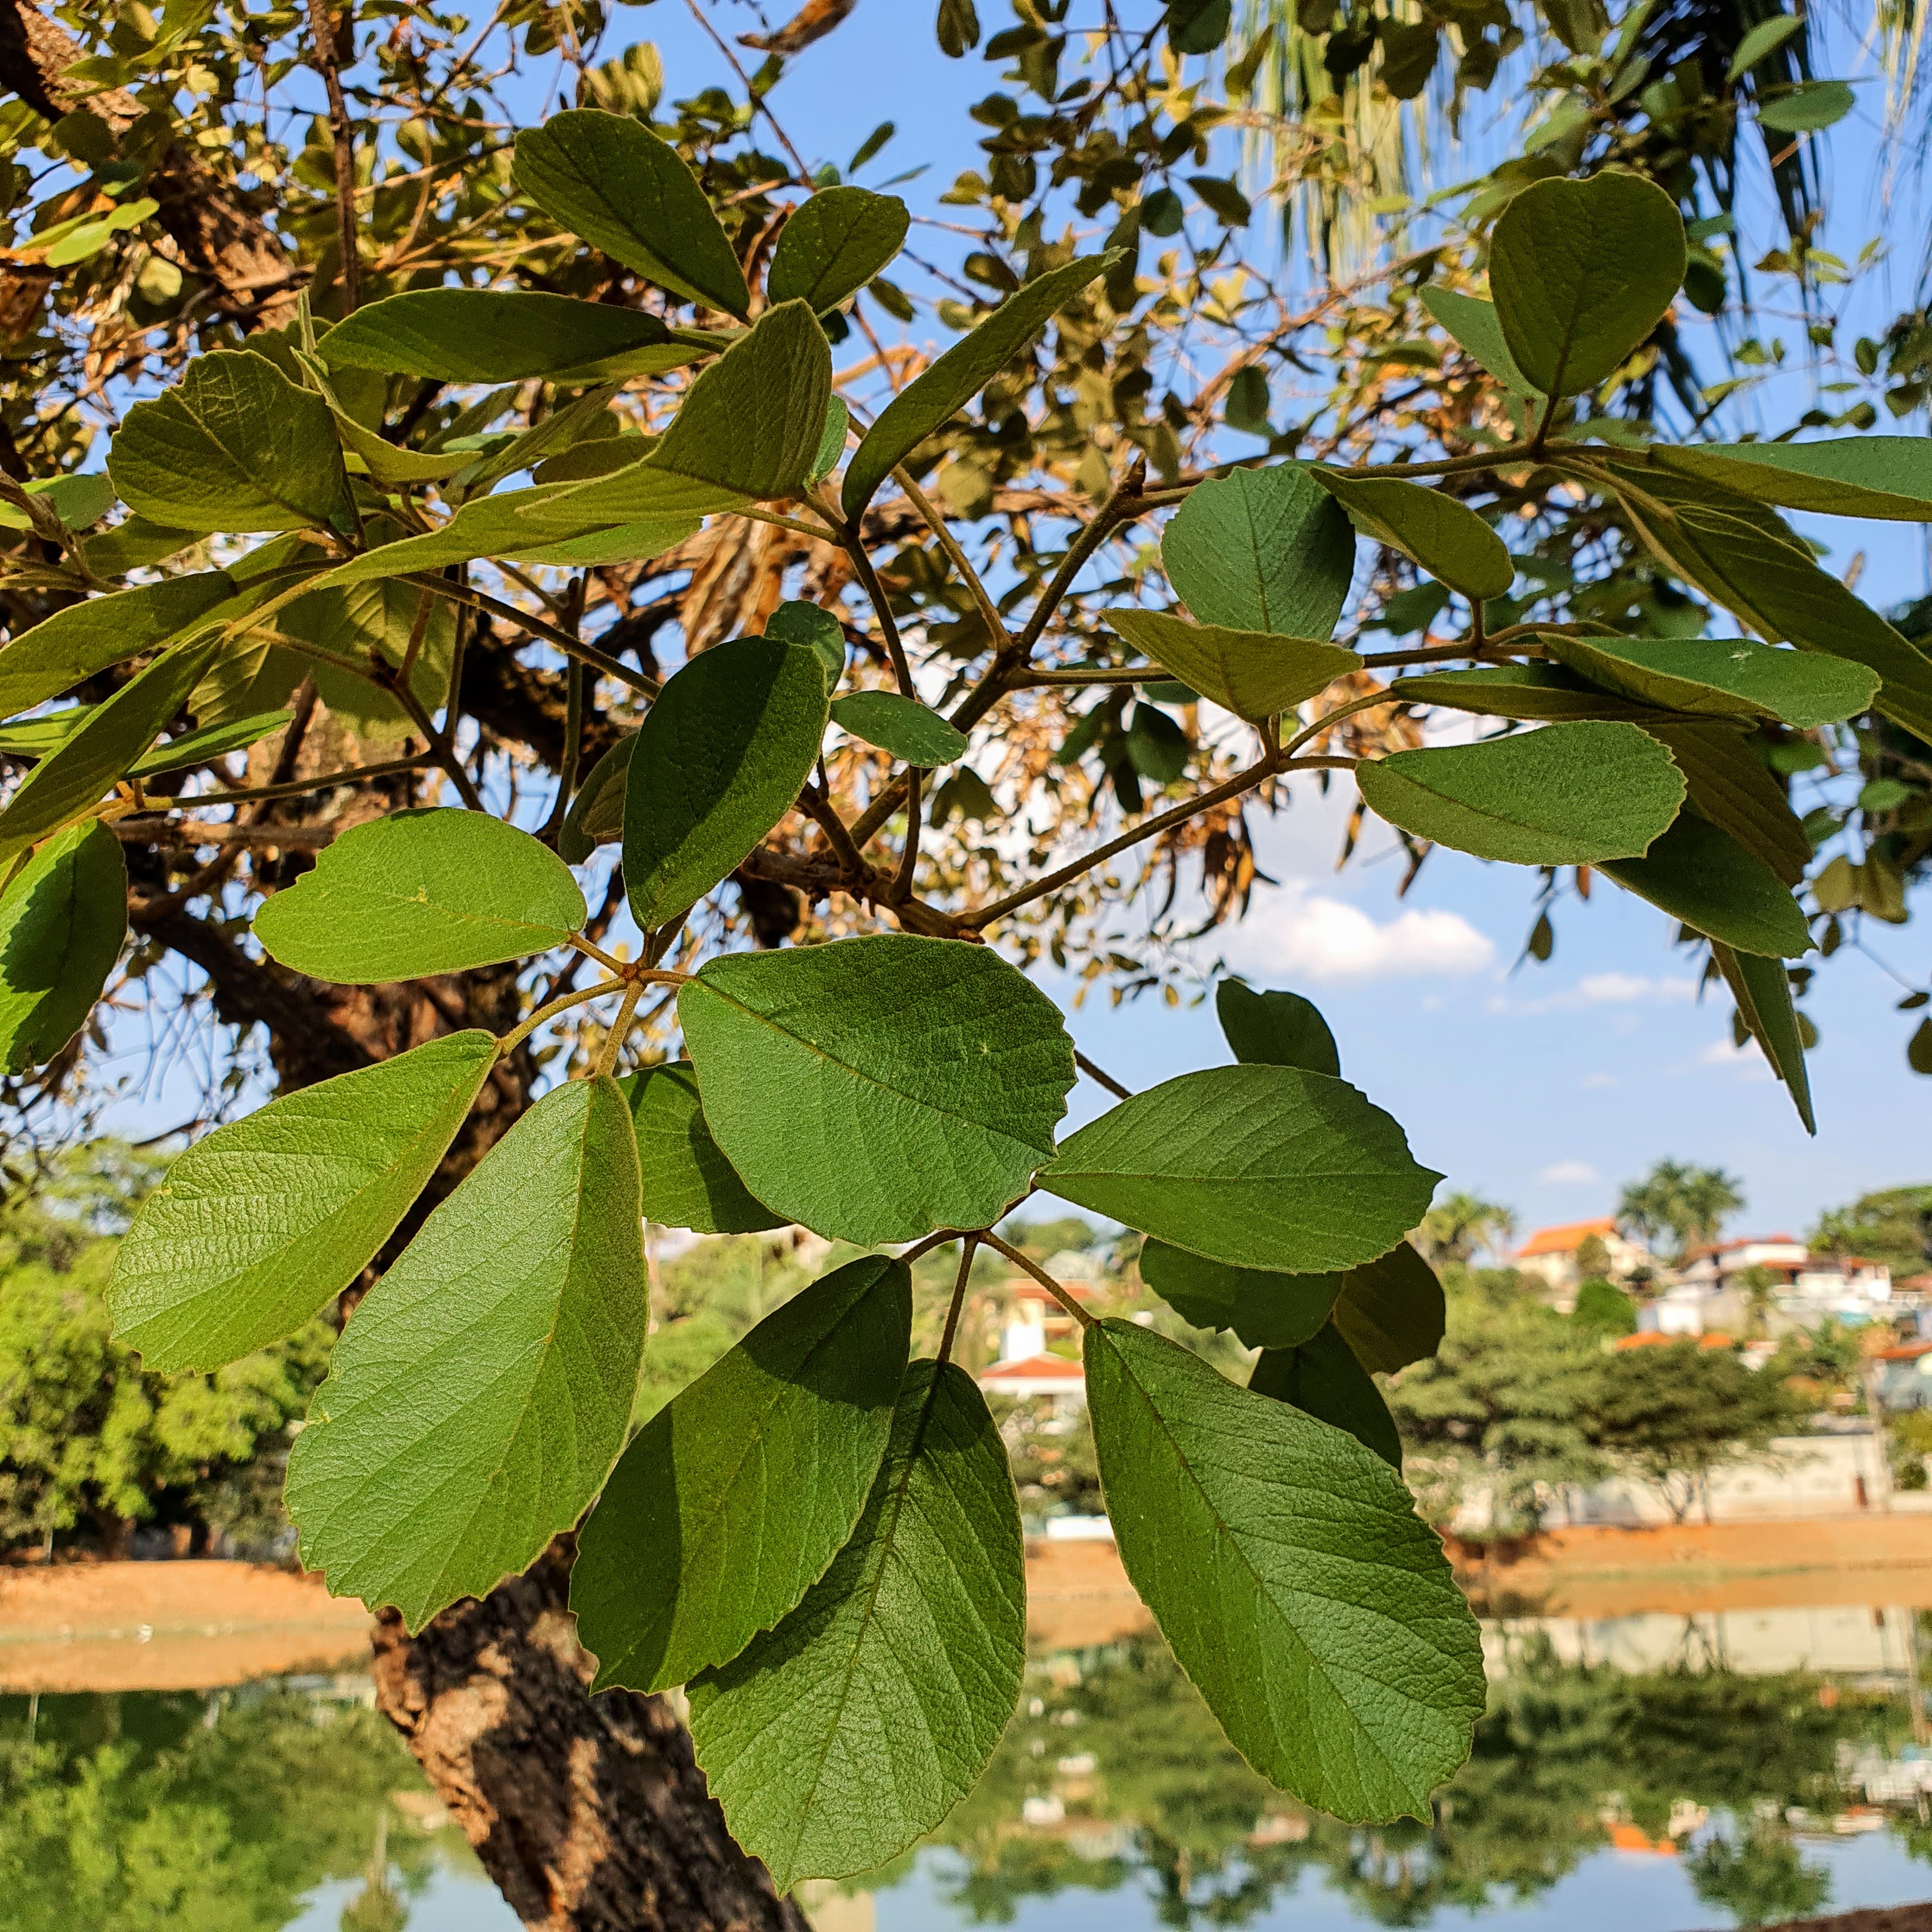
<point x="590" y="1814"/>
<point x="220" y="237"/>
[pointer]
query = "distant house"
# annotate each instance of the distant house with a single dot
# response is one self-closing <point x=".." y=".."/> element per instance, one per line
<point x="1723" y="1285"/>
<point x="1053" y="1375"/>
<point x="1903" y="1374"/>
<point x="1034" y="1320"/>
<point x="1552" y="1255"/>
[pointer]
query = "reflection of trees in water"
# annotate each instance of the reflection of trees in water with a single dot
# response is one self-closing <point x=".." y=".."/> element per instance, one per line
<point x="1167" y="1807"/>
<point x="166" y="1808"/>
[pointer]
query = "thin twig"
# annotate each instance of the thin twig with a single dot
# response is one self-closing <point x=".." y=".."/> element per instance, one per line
<point x="343" y="130"/>
<point x="958" y="1298"/>
<point x="607" y="1059"/>
<point x="948" y="542"/>
<point x="1040" y="1275"/>
<point x="901" y="888"/>
<point x="523" y="1030"/>
<point x="599" y="661"/>
<point x="1105" y="1078"/>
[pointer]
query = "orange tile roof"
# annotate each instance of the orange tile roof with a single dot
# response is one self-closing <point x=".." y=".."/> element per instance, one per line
<point x="1034" y="1368"/>
<point x="1654" y="1338"/>
<point x="1566" y="1239"/>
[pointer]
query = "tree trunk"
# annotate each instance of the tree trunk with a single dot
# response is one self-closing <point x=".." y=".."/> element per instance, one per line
<point x="590" y="1814"/>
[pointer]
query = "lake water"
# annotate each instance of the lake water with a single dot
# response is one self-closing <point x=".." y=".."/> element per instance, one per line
<point x="1654" y="1773"/>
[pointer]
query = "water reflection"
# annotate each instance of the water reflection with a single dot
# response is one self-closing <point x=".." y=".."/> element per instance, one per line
<point x="1659" y="1772"/>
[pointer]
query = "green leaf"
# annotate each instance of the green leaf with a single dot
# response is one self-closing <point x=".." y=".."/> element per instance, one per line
<point x="479" y="1396"/>
<point x="834" y="245"/>
<point x="63" y="917"/>
<point x="1889" y="477"/>
<point x="1471" y="323"/>
<point x="1807" y="107"/>
<point x="233" y="446"/>
<point x="750" y="425"/>
<point x="1391" y="1310"/>
<point x="688" y="1182"/>
<point x="596" y="814"/>
<point x="420" y="892"/>
<point x="133" y="543"/>
<point x="1287" y="1567"/>
<point x="836" y="1739"/>
<point x="1540" y="692"/>
<point x="1262" y="550"/>
<point x="1766" y="37"/>
<point x="484" y="335"/>
<point x="1262" y="1167"/>
<point x="608" y="179"/>
<point x="1266" y="1309"/>
<point x="1322" y="1379"/>
<point x="901" y="726"/>
<point x="66" y="783"/>
<point x="1273" y="1029"/>
<point x="730" y="1502"/>
<point x="213" y="741"/>
<point x="1707" y="881"/>
<point x="925" y="1078"/>
<point x="1581" y="271"/>
<point x="1728" y="784"/>
<point x="926" y="405"/>
<point x="259" y="1223"/>
<point x="719" y="761"/>
<point x="1566" y="795"/>
<point x="1721" y="677"/>
<point x="57" y="653"/>
<point x="801" y="623"/>
<point x="1252" y="673"/>
<point x="1198" y="26"/>
<point x="369" y="455"/>
<point x="1762" y="990"/>
<point x="1430" y="527"/>
<point x="832" y="444"/>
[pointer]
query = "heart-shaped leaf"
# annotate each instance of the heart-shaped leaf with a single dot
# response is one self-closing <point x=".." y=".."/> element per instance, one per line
<point x="1252" y="673"/>
<point x="420" y="892"/>
<point x="260" y="1223"/>
<point x="732" y="1500"/>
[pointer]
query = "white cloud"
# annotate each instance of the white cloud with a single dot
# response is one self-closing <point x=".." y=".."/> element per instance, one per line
<point x="1746" y="1059"/>
<point x="1599" y="1083"/>
<point x="1602" y="989"/>
<point x="1318" y="938"/>
<point x="1569" y="1174"/>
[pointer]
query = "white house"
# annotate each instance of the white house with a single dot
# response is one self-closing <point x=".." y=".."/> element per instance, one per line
<point x="1550" y="1254"/>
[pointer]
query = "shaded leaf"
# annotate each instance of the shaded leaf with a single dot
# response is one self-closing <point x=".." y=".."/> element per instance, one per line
<point x="688" y="1183"/>
<point x="1321" y="1378"/>
<point x="1252" y="673"/>
<point x="1699" y="875"/>
<point x="486" y="335"/>
<point x="731" y="1502"/>
<point x="1264" y="1167"/>
<point x="1430" y="527"/>
<point x="260" y="1223"/>
<point x="1541" y="692"/>
<point x="858" y="1723"/>
<point x="834" y="245"/>
<point x="1727" y="782"/>
<point x="1286" y="1564"/>
<point x="1391" y="1311"/>
<point x="57" y="653"/>
<point x="478" y="1397"/>
<point x="1566" y="795"/>
<point x="63" y="917"/>
<point x="1762" y="990"/>
<point x="1472" y="323"/>
<point x="1262" y="550"/>
<point x="932" y="1074"/>
<point x="596" y="814"/>
<point x="818" y="629"/>
<point x="418" y="892"/>
<point x="1266" y="1309"/>
<point x="1884" y="476"/>
<point x="1275" y="1029"/>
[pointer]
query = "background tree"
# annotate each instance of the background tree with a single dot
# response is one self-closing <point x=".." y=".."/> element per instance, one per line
<point x="1893" y="1225"/>
<point x="1686" y="1205"/>
<point x="1458" y="1227"/>
<point x="1603" y="1306"/>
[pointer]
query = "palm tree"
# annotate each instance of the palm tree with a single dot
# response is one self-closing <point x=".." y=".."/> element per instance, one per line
<point x="1458" y="1227"/>
<point x="1688" y="1204"/>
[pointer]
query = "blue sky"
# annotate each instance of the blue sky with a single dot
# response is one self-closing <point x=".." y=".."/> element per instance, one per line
<point x="1544" y="1087"/>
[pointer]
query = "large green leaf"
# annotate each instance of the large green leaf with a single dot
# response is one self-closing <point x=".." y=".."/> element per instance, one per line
<point x="1391" y="1311"/>
<point x="63" y="917"/>
<point x="1322" y="1377"/>
<point x="484" y="335"/>
<point x="1537" y="692"/>
<point x="1472" y="322"/>
<point x="719" y="761"/>
<point x="1267" y="1310"/>
<point x="260" y="1223"/>
<point x="233" y="446"/>
<point x="906" y="728"/>
<point x="608" y="178"/>
<point x="1580" y="272"/>
<point x="68" y="781"/>
<point x="1762" y="988"/>
<point x="1431" y="528"/>
<point x="834" y="1741"/>
<point x="1731" y="786"/>
<point x="750" y="426"/>
<point x="478" y="1397"/>
<point x="1884" y="476"/>
<point x="1286" y="1565"/>
<point x="878" y="1088"/>
<point x="1723" y="677"/>
<point x="1252" y="673"/>
<point x="929" y="403"/>
<point x="1263" y="1167"/>
<point x="57" y="653"/>
<point x="688" y="1183"/>
<point x="1262" y="550"/>
<point x="1273" y="1029"/>
<point x="1566" y="795"/>
<point x="420" y="892"/>
<point x="1704" y="877"/>
<point x="834" y="245"/>
<point x="731" y="1502"/>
